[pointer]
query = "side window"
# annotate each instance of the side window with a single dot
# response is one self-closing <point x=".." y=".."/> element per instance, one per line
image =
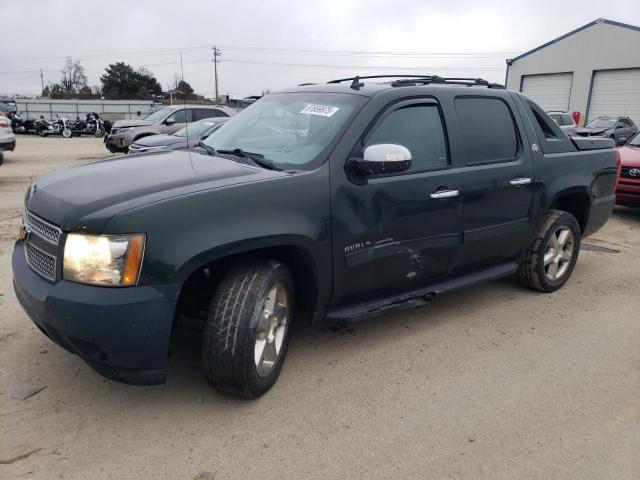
<point x="624" y="122"/>
<point x="202" y="113"/>
<point x="179" y="116"/>
<point x="419" y="128"/>
<point x="487" y="129"/>
<point x="567" y="120"/>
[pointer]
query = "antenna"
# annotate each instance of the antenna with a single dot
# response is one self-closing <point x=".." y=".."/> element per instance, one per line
<point x="184" y="104"/>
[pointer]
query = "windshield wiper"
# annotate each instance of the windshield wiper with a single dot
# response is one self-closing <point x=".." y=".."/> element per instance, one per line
<point x="208" y="149"/>
<point x="257" y="158"/>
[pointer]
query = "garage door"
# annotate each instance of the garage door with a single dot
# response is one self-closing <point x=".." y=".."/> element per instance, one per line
<point x="615" y="93"/>
<point x="551" y="91"/>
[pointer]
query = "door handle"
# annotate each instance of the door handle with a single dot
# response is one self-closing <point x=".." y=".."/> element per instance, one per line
<point x="445" y="194"/>
<point x="520" y="181"/>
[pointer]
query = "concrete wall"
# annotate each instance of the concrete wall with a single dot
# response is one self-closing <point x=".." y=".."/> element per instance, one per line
<point x="108" y="109"/>
<point x="602" y="46"/>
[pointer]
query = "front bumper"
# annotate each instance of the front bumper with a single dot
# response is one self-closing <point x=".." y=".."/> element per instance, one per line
<point x="628" y="192"/>
<point x="117" y="143"/>
<point x="122" y="333"/>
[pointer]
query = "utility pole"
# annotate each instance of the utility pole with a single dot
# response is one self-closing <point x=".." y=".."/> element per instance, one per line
<point x="216" y="54"/>
<point x="42" y="80"/>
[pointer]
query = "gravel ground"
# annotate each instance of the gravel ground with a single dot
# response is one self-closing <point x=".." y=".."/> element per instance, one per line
<point x="493" y="382"/>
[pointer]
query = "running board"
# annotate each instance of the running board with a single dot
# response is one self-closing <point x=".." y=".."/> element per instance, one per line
<point x="418" y="297"/>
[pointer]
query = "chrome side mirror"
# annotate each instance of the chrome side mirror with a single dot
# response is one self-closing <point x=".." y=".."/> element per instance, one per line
<point x="384" y="158"/>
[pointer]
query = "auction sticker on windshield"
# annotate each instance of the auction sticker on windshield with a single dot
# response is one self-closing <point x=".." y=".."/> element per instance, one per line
<point x="322" y="110"/>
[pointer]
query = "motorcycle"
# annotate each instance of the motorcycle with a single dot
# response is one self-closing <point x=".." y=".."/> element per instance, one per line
<point x="60" y="126"/>
<point x="18" y="125"/>
<point x="92" y="125"/>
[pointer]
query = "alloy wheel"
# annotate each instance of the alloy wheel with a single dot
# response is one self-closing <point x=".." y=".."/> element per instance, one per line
<point x="271" y="329"/>
<point x="559" y="253"/>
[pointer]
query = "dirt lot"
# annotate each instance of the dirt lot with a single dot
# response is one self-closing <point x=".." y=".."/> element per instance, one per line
<point x="492" y="382"/>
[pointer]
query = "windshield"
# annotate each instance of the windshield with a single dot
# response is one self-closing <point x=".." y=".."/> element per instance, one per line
<point x="291" y="130"/>
<point x="7" y="107"/>
<point x="601" y="123"/>
<point x="635" y="141"/>
<point x="158" y="115"/>
<point x="195" y="129"/>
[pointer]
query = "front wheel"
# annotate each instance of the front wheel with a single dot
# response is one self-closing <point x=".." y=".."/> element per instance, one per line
<point x="99" y="132"/>
<point x="550" y="260"/>
<point x="247" y="331"/>
<point x="67" y="133"/>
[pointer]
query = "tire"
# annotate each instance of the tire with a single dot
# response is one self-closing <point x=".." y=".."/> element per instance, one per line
<point x="99" y="132"/>
<point x="249" y="313"/>
<point x="67" y="133"/>
<point x="561" y="258"/>
<point x="1" y="158"/>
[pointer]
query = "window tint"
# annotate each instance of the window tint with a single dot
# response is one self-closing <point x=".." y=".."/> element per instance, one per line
<point x="419" y="128"/>
<point x="625" y="123"/>
<point x="184" y="115"/>
<point x="487" y="129"/>
<point x="202" y="113"/>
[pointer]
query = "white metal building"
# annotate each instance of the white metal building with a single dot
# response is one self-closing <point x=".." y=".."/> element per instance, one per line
<point x="594" y="70"/>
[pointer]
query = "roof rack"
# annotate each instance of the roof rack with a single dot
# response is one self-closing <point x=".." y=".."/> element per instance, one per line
<point x="407" y="80"/>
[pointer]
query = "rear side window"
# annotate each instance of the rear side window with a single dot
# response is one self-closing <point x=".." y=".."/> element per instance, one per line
<point x="487" y="129"/>
<point x="419" y="128"/>
<point x="202" y="113"/>
<point x="567" y="120"/>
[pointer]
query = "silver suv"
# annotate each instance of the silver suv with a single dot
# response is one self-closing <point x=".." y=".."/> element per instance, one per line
<point x="167" y="120"/>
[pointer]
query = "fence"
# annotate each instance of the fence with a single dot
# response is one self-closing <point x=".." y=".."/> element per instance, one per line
<point x="108" y="109"/>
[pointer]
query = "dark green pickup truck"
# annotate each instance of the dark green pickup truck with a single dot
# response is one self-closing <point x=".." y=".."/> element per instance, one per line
<point x="329" y="202"/>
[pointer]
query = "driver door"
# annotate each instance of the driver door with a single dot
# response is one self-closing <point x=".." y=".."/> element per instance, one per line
<point x="399" y="231"/>
<point x="180" y="119"/>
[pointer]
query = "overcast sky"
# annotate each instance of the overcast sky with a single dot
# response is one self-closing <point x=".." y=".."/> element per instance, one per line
<point x="266" y="44"/>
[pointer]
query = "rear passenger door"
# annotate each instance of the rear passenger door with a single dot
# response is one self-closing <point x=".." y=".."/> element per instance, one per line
<point x="496" y="181"/>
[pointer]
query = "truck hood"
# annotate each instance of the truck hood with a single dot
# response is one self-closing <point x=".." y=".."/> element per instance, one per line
<point x="87" y="196"/>
<point x="131" y="123"/>
<point x="591" y="131"/>
<point x="159" y="140"/>
<point x="630" y="156"/>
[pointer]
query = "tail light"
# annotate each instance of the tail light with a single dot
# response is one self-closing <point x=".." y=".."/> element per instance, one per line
<point x="619" y="167"/>
<point x="4" y="124"/>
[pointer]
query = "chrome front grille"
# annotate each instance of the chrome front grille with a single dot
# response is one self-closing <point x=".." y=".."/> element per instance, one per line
<point x="41" y="262"/>
<point x="46" y="230"/>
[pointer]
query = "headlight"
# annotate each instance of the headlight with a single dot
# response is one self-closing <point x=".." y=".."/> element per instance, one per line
<point x="107" y="260"/>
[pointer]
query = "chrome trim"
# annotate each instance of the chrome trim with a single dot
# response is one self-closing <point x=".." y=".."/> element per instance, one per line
<point x="520" y="181"/>
<point x="34" y="267"/>
<point x="47" y="231"/>
<point x="445" y="194"/>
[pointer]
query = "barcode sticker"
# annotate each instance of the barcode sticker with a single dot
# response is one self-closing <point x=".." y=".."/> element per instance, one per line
<point x="322" y="110"/>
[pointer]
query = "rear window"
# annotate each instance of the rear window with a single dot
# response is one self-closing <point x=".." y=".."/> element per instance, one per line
<point x="487" y="129"/>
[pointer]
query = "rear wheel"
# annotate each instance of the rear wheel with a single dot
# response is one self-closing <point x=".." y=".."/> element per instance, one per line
<point x="550" y="260"/>
<point x="247" y="331"/>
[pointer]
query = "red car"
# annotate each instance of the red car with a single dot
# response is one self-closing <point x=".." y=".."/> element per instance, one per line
<point x="628" y="189"/>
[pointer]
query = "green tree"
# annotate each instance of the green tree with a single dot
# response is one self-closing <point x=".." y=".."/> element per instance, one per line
<point x="184" y="87"/>
<point x="121" y="82"/>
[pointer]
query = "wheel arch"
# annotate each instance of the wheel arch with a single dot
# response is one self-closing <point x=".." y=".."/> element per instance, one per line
<point x="203" y="273"/>
<point x="576" y="201"/>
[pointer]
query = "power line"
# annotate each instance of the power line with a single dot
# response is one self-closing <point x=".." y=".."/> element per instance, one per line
<point x="355" y="53"/>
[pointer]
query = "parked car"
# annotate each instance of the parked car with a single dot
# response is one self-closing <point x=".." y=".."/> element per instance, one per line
<point x="167" y="120"/>
<point x="318" y="203"/>
<point x="618" y="129"/>
<point x="628" y="189"/>
<point x="188" y="137"/>
<point x="7" y="137"/>
<point x="565" y="122"/>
